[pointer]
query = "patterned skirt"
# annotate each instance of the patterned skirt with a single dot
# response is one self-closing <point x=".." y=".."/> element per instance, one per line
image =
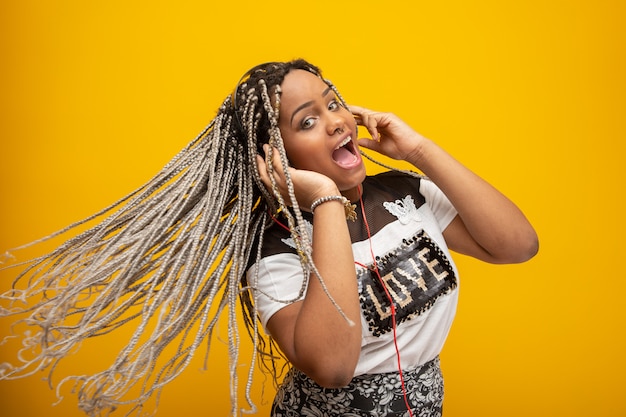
<point x="366" y="395"/>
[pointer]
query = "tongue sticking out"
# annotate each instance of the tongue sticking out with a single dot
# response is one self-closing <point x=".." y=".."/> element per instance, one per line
<point x="343" y="156"/>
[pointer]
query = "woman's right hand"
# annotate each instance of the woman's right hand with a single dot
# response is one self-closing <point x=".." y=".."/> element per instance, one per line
<point x="308" y="185"/>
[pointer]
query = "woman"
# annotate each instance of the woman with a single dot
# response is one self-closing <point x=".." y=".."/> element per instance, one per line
<point x="256" y="208"/>
<point x="403" y="232"/>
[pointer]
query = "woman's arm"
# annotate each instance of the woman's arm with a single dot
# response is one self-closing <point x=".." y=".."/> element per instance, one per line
<point x="489" y="226"/>
<point x="312" y="333"/>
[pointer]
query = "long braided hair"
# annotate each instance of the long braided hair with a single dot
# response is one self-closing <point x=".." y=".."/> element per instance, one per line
<point x="166" y="260"/>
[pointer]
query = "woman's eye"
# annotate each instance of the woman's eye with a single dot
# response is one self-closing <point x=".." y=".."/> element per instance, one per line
<point x="333" y="105"/>
<point x="307" y="123"/>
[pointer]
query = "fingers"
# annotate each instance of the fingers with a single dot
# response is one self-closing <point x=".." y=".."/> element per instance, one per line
<point x="271" y="171"/>
<point x="368" y="119"/>
<point x="270" y="165"/>
<point x="368" y="144"/>
<point x="262" y="169"/>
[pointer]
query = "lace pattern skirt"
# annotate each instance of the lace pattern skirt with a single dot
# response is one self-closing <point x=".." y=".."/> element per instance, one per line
<point x="365" y="396"/>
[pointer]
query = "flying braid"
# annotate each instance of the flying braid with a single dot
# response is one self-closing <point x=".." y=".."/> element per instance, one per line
<point x="166" y="261"/>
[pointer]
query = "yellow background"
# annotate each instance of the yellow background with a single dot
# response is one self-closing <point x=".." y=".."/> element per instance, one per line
<point x="96" y="96"/>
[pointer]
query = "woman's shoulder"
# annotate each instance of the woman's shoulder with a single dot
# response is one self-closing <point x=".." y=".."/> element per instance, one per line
<point x="394" y="178"/>
<point x="393" y="183"/>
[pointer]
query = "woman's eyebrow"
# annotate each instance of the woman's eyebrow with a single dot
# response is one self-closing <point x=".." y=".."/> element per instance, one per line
<point x="308" y="103"/>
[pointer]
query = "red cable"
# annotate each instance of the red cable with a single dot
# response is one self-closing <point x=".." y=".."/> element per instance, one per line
<point x="382" y="283"/>
<point x="392" y="306"/>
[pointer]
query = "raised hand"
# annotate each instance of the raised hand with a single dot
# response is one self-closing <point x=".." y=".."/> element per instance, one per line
<point x="308" y="185"/>
<point x="391" y="136"/>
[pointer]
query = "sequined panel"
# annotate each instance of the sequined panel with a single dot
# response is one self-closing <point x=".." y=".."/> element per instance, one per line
<point x="415" y="274"/>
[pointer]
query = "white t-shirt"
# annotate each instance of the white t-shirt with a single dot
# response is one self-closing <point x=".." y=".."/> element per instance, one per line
<point x="406" y="217"/>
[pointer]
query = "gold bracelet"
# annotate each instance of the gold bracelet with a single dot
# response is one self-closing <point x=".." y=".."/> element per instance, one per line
<point x="349" y="208"/>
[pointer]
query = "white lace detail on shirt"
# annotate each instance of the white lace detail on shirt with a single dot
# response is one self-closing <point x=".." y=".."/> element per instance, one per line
<point x="404" y="210"/>
<point x="309" y="228"/>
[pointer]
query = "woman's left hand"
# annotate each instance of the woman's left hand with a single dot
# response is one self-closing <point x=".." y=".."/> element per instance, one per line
<point x="489" y="226"/>
<point x="391" y="136"/>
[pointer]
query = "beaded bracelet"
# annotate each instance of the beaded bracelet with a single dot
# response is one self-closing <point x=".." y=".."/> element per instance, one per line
<point x="349" y="208"/>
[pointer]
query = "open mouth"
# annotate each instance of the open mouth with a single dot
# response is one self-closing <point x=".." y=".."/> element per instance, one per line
<point x="345" y="153"/>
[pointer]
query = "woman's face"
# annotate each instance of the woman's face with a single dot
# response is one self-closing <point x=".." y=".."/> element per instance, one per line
<point x="319" y="133"/>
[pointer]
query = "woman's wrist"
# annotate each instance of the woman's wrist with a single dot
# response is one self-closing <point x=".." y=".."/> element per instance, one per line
<point x="419" y="156"/>
<point x="349" y="208"/>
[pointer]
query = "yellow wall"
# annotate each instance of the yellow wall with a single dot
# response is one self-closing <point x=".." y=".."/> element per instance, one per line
<point x="97" y="95"/>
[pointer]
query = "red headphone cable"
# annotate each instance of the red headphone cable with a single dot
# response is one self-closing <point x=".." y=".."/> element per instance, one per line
<point x="391" y="303"/>
<point x="382" y="283"/>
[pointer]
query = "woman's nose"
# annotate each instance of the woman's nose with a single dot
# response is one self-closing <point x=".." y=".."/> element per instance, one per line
<point x="335" y="124"/>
